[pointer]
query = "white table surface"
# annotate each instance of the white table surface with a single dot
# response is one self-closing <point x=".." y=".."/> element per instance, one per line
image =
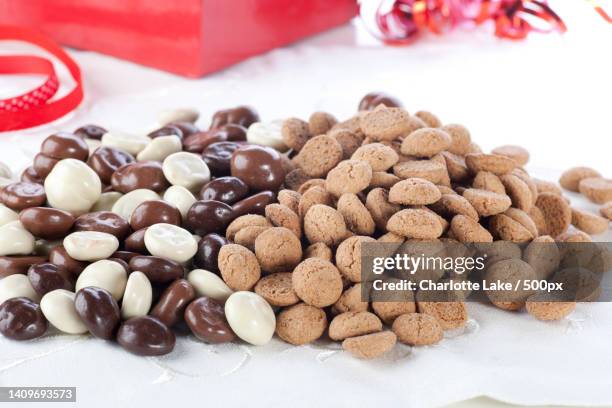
<point x="550" y="94"/>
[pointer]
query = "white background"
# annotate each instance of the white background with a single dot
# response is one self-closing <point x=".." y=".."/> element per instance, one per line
<point x="550" y="94"/>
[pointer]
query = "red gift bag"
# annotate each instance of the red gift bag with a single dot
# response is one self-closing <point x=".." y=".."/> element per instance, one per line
<point x="187" y="37"/>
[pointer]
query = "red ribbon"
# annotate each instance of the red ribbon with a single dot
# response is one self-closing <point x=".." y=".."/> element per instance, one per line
<point x="35" y="107"/>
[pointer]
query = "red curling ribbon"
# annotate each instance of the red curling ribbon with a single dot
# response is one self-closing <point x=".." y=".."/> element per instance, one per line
<point x="36" y="107"/>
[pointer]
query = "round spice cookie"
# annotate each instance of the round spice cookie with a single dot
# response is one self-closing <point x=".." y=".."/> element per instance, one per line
<point x="450" y="315"/>
<point x="517" y="153"/>
<point x="414" y="191"/>
<point x="467" y="230"/>
<point x="301" y="324"/>
<point x="415" y="223"/>
<point x="321" y="122"/>
<point x="247" y="236"/>
<point x="485" y="180"/>
<point x="277" y="289"/>
<point x="351" y="324"/>
<point x="538" y="219"/>
<point x="315" y="182"/>
<point x="507" y="229"/>
<point x="518" y="191"/>
<point x="571" y="178"/>
<point x="290" y="199"/>
<point x="425" y="169"/>
<point x="295" y="133"/>
<point x="556" y="212"/>
<point x="493" y="163"/>
<point x="282" y="216"/>
<point x="278" y="249"/>
<point x="324" y="224"/>
<point x="543" y="307"/>
<point x="377" y="203"/>
<point x="456" y="167"/>
<point x="389" y="311"/>
<point x="249" y="220"/>
<point x="606" y="210"/>
<point x="319" y="155"/>
<point x="383" y="179"/>
<point x="350" y="301"/>
<point x="315" y="195"/>
<point x="543" y="255"/>
<point x="524" y="219"/>
<point x="487" y="203"/>
<point x="426" y="142"/>
<point x="453" y="204"/>
<point x="429" y="118"/>
<point x="318" y="250"/>
<point x="348" y="140"/>
<point x="417" y="329"/>
<point x="317" y="282"/>
<point x="370" y="346"/>
<point x="349" y="176"/>
<point x="385" y="123"/>
<point x="239" y="267"/>
<point x="295" y="178"/>
<point x="509" y="271"/>
<point x="380" y="157"/>
<point x="460" y="138"/>
<point x="543" y="186"/>
<point x="357" y="217"/>
<point x="348" y="257"/>
<point x="596" y="189"/>
<point x="589" y="223"/>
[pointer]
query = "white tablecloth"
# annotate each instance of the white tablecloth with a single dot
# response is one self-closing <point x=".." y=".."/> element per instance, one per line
<point x="550" y="94"/>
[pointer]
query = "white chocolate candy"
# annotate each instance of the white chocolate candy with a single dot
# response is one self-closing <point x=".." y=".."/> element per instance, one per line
<point x="160" y="148"/>
<point x="5" y="171"/>
<point x="73" y="186"/>
<point x="208" y="284"/>
<point x="5" y="181"/>
<point x="250" y="317"/>
<point x="138" y="296"/>
<point x="17" y="286"/>
<point x="177" y="115"/>
<point x="105" y="274"/>
<point x="58" y="308"/>
<point x="90" y="245"/>
<point x="182" y="198"/>
<point x="133" y="144"/>
<point x="170" y="241"/>
<point x="267" y="134"/>
<point x="7" y="215"/>
<point x="126" y="204"/>
<point x="15" y="239"/>
<point x="186" y="169"/>
<point x="106" y="201"/>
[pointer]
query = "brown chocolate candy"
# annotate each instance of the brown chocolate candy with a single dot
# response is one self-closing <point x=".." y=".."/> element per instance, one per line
<point x="187" y="128"/>
<point x="172" y="303"/>
<point x="58" y="256"/>
<point x="98" y="310"/>
<point x="133" y="176"/>
<point x="43" y="164"/>
<point x="30" y="175"/>
<point x="90" y="132"/>
<point x="21" y="195"/>
<point x="64" y="145"/>
<point x="21" y="319"/>
<point x="255" y="204"/>
<point x="124" y="256"/>
<point x="157" y="269"/>
<point x="168" y="130"/>
<point x="206" y="319"/>
<point x="146" y="336"/>
<point x="135" y="242"/>
<point x="228" y="190"/>
<point x="218" y="156"/>
<point x="373" y="99"/>
<point x="12" y="265"/>
<point x="105" y="160"/>
<point x="197" y="142"/>
<point x="207" y="216"/>
<point x="46" y="277"/>
<point x="240" y="115"/>
<point x="47" y="223"/>
<point x="208" y="252"/>
<point x="155" y="212"/>
<point x="261" y="168"/>
<point x="103" y="221"/>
